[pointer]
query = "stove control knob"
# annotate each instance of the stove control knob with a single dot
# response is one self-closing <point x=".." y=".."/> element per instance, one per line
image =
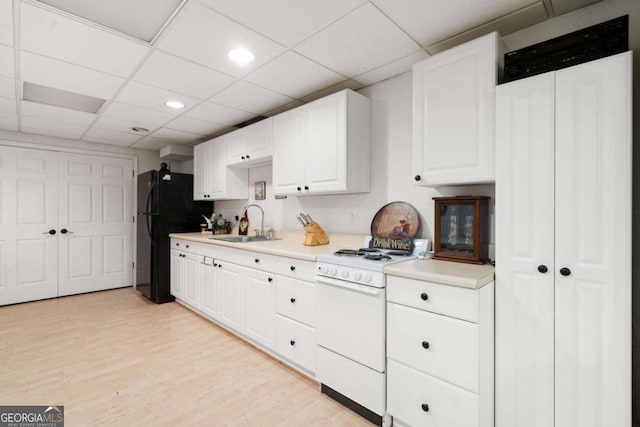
<point x="345" y="274"/>
<point x="357" y="275"/>
<point x="333" y="271"/>
<point x="367" y="278"/>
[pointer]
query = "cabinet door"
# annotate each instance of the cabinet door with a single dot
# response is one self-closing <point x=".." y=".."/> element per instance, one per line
<point x="210" y="289"/>
<point x="453" y="114"/>
<point x="288" y="152"/>
<point x="177" y="282"/>
<point x="258" y="140"/>
<point x="201" y="159"/>
<point x="95" y="219"/>
<point x="236" y="146"/>
<point x="28" y="210"/>
<point x="325" y="136"/>
<point x="217" y="169"/>
<point x="231" y="279"/>
<point x="191" y="279"/>
<point x="259" y="307"/>
<point x="593" y="241"/>
<point x="525" y="232"/>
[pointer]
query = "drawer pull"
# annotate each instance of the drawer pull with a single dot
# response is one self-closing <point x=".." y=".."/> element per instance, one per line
<point x="293" y="300"/>
<point x="292" y="268"/>
<point x="424" y="296"/>
<point x="425" y="407"/>
<point x="187" y="246"/>
<point x="425" y="344"/>
<point x="292" y="342"/>
<point x="270" y="279"/>
<point x="257" y="260"/>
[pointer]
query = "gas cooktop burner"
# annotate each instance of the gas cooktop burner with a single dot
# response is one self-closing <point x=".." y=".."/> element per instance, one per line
<point x="369" y="250"/>
<point x="378" y="257"/>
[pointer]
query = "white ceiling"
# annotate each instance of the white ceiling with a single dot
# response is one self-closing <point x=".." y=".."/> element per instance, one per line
<point x="303" y="49"/>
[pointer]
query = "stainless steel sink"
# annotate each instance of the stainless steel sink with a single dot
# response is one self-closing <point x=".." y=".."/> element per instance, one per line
<point x="242" y="239"/>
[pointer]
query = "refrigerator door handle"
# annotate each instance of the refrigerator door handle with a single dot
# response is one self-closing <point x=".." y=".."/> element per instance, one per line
<point x="148" y="216"/>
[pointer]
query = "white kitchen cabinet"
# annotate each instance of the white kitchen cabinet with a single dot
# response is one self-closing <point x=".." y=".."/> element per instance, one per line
<point x="65" y="223"/>
<point x="232" y="287"/>
<point x="177" y="277"/>
<point x="259" y="307"/>
<point x="210" y="287"/>
<point x="185" y="272"/>
<point x="563" y="247"/>
<point x="250" y="146"/>
<point x="212" y="179"/>
<point x="454" y="113"/>
<point x="440" y="354"/>
<point x="323" y="147"/>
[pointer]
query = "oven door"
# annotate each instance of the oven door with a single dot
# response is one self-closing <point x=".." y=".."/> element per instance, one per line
<point x="351" y="321"/>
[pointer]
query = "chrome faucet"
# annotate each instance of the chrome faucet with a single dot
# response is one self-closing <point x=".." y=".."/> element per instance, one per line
<point x="244" y="211"/>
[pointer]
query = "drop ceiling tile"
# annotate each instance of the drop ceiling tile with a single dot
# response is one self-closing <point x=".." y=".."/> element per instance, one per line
<point x="294" y="75"/>
<point x="56" y="36"/>
<point x="394" y="68"/>
<point x="216" y="113"/>
<point x="347" y="84"/>
<point x="8" y="121"/>
<point x="188" y="124"/>
<point x="7" y="64"/>
<point x="154" y="98"/>
<point x="62" y="75"/>
<point x="206" y="37"/>
<point x="121" y="125"/>
<point x="57" y="114"/>
<point x="110" y="137"/>
<point x="8" y="106"/>
<point x="431" y="21"/>
<point x="177" y="136"/>
<point x="139" y="116"/>
<point x="141" y="18"/>
<point x="361" y="41"/>
<point x="182" y="76"/>
<point x="249" y="97"/>
<point x="52" y="127"/>
<point x="6" y="22"/>
<point x="285" y="21"/>
<point x="7" y="87"/>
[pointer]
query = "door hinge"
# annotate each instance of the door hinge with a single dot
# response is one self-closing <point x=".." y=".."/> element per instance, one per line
<point x="133" y="173"/>
<point x="133" y="265"/>
<point x="133" y="219"/>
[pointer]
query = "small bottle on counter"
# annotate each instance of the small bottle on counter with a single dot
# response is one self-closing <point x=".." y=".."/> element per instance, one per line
<point x="243" y="227"/>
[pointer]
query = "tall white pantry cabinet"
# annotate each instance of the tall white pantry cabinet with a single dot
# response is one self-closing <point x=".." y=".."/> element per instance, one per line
<point x="563" y="247"/>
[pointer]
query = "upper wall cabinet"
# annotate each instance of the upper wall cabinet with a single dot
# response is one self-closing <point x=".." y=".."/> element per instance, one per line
<point x="251" y="145"/>
<point x="454" y="113"/>
<point x="323" y="147"/>
<point x="212" y="179"/>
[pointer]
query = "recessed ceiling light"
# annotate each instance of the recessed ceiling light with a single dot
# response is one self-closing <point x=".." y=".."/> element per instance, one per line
<point x="174" y="104"/>
<point x="241" y="56"/>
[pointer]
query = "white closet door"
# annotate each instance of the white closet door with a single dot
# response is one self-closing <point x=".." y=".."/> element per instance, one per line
<point x="28" y="210"/>
<point x="95" y="209"/>
<point x="593" y="241"/>
<point x="525" y="230"/>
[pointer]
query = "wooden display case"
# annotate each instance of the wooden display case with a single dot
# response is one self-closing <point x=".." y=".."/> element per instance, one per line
<point x="462" y="229"/>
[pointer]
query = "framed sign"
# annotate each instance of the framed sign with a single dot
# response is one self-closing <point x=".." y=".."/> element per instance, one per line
<point x="394" y="227"/>
<point x="261" y="190"/>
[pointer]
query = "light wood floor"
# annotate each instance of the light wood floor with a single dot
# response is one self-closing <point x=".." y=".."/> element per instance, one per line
<point x="112" y="358"/>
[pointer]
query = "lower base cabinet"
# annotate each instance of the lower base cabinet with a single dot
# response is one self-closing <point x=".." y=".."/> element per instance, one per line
<point x="274" y="311"/>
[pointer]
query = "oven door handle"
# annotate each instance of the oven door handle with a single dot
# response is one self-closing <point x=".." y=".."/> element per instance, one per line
<point x="348" y="285"/>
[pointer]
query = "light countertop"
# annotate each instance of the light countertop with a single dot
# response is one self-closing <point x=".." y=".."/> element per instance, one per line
<point x="291" y="243"/>
<point x="446" y="272"/>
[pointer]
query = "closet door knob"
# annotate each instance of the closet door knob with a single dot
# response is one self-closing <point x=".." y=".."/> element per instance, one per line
<point x="542" y="268"/>
<point x="565" y="271"/>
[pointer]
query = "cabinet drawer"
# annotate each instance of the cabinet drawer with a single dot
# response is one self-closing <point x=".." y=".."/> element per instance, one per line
<point x="223" y="253"/>
<point x="417" y="399"/>
<point x="261" y="261"/>
<point x="296" y="342"/>
<point x="296" y="299"/>
<point x="291" y="267"/>
<point x="185" y="246"/>
<point x="440" y="346"/>
<point x="452" y="301"/>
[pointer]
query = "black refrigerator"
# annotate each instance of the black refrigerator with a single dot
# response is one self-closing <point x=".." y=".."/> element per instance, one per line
<point x="165" y="205"/>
